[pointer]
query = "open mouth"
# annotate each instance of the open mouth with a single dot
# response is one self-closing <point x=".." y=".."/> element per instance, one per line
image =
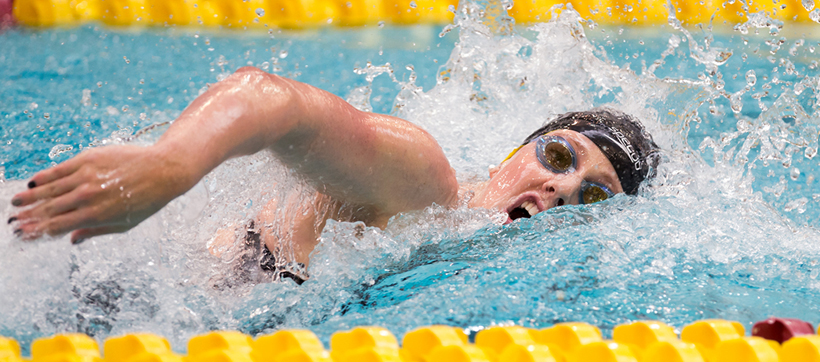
<point x="527" y="209"/>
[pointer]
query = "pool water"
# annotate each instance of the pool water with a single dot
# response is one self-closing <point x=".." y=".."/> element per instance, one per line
<point x="728" y="229"/>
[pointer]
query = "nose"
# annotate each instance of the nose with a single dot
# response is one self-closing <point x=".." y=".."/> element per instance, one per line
<point x="561" y="189"/>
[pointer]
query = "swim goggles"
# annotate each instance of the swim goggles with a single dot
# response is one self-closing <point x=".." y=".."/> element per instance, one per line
<point x="557" y="155"/>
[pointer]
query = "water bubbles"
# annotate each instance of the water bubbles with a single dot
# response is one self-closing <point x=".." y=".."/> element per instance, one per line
<point x="99" y="84"/>
<point x="126" y="60"/>
<point x="58" y="150"/>
<point x="751" y="78"/>
<point x="413" y="5"/>
<point x="810" y="152"/>
<point x="170" y="100"/>
<point x="778" y="188"/>
<point x="794" y="173"/>
<point x="125" y="108"/>
<point x="86" y="99"/>
<point x="628" y="8"/>
<point x="46" y="115"/>
<point x="798" y="205"/>
<point x="381" y="24"/>
<point x="808" y="4"/>
<point x="722" y="57"/>
<point x="815" y="15"/>
<point x="283" y="54"/>
<point x="260" y="12"/>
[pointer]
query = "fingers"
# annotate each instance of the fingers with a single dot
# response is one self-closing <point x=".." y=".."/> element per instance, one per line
<point x="78" y="236"/>
<point x="62" y="196"/>
<point x="49" y="183"/>
<point x="47" y="191"/>
<point x="35" y="227"/>
<point x="57" y="172"/>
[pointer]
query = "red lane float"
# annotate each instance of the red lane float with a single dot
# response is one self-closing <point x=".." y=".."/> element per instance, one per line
<point x="781" y="329"/>
<point x="6" y="16"/>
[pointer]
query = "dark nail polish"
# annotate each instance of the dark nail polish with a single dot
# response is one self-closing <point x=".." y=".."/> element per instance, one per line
<point x="77" y="242"/>
<point x="32" y="184"/>
<point x="12" y="219"/>
<point x="18" y="232"/>
<point x="16" y="202"/>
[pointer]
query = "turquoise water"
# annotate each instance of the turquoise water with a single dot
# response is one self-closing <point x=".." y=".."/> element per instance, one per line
<point x="727" y="230"/>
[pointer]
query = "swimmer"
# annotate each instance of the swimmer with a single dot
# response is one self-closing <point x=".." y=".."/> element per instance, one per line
<point x="366" y="167"/>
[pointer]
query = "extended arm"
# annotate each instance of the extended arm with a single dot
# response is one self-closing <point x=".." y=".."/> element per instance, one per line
<point x="380" y="163"/>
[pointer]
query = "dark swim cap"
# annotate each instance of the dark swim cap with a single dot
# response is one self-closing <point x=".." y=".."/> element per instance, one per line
<point x="621" y="138"/>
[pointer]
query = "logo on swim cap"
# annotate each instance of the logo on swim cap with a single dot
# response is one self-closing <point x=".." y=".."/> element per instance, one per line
<point x="627" y="146"/>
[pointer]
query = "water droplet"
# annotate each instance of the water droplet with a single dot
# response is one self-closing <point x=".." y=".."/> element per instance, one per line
<point x="260" y="12"/>
<point x="810" y="152"/>
<point x="795" y="173"/>
<point x="46" y="115"/>
<point x="170" y="100"/>
<point x="99" y="84"/>
<point x="381" y="24"/>
<point x="736" y="103"/>
<point x="86" y="100"/>
<point x="125" y="108"/>
<point x="413" y="4"/>
<point x="751" y="78"/>
<point x="798" y="205"/>
<point x="628" y="8"/>
<point x="815" y="15"/>
<point x="283" y="54"/>
<point x="808" y="4"/>
<point x="126" y="60"/>
<point x="59" y="149"/>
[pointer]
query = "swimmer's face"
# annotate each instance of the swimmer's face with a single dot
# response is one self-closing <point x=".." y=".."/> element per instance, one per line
<point x="522" y="186"/>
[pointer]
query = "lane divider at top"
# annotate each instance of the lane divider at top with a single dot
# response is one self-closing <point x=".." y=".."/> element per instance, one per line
<point x="314" y="13"/>
<point x="713" y="340"/>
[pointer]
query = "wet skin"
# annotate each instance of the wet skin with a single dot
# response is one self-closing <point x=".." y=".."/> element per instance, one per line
<point x="520" y="179"/>
<point x="368" y="167"/>
<point x="523" y="178"/>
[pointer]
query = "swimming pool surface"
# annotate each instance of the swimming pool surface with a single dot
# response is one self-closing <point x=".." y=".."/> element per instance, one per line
<point x="728" y="229"/>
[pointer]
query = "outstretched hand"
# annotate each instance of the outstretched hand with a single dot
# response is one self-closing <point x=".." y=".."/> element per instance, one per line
<point x="101" y="191"/>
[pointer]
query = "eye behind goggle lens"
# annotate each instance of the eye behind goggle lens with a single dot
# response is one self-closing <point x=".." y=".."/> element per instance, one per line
<point x="556" y="154"/>
<point x="593" y="194"/>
